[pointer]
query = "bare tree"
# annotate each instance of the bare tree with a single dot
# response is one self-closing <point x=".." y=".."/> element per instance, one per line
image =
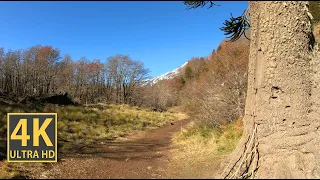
<point x="125" y="75"/>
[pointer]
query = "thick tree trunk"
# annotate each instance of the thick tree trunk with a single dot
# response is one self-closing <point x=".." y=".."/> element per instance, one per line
<point x="281" y="137"/>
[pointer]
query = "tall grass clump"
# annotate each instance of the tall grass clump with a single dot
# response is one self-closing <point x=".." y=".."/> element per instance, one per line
<point x="198" y="149"/>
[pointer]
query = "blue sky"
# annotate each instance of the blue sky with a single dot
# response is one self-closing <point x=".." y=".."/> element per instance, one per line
<point x="163" y="35"/>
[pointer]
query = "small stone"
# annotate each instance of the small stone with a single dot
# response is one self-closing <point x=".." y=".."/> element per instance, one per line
<point x="149" y="167"/>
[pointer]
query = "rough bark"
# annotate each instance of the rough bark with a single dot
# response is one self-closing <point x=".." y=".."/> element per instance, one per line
<point x="283" y="97"/>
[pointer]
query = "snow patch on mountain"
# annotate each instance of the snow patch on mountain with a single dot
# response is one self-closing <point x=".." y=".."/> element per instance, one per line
<point x="167" y="75"/>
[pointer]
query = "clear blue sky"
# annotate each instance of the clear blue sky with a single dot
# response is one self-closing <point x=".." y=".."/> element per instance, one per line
<point x="163" y="35"/>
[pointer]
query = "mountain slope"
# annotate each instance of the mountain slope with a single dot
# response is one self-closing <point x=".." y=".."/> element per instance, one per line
<point x="168" y="75"/>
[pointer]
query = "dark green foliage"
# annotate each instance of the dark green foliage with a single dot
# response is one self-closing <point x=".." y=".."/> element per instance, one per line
<point x="236" y="27"/>
<point x="182" y="80"/>
<point x="196" y="4"/>
<point x="188" y="72"/>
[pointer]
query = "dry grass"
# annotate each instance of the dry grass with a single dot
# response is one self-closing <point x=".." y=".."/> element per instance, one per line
<point x="79" y="126"/>
<point x="198" y="151"/>
<point x="84" y="125"/>
<point x="8" y="170"/>
<point x="177" y="109"/>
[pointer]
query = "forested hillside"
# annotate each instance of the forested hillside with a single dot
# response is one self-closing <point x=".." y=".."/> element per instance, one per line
<point x="212" y="89"/>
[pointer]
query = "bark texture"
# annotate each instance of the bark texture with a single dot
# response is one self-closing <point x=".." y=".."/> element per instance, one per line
<point x="283" y="96"/>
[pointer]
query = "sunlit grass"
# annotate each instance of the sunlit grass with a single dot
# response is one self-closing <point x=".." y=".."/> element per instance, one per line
<point x="84" y="125"/>
<point x="8" y="171"/>
<point x="80" y="126"/>
<point x="198" y="149"/>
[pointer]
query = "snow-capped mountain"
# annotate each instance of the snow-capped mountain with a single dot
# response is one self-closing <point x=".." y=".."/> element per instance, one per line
<point x="168" y="75"/>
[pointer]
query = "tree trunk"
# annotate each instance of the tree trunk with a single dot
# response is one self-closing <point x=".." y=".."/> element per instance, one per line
<point x="281" y="124"/>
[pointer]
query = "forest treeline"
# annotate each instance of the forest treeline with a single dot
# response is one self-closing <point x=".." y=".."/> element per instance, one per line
<point x="40" y="72"/>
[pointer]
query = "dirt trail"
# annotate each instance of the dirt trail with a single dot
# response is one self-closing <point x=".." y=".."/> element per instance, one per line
<point x="142" y="155"/>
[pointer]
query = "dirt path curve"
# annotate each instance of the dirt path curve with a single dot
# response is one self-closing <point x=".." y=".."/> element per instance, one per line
<point x="142" y="155"/>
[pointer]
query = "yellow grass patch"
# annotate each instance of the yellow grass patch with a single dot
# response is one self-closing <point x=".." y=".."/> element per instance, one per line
<point x="198" y="151"/>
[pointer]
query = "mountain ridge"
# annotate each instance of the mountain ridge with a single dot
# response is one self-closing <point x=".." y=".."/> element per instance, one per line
<point x="167" y="75"/>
